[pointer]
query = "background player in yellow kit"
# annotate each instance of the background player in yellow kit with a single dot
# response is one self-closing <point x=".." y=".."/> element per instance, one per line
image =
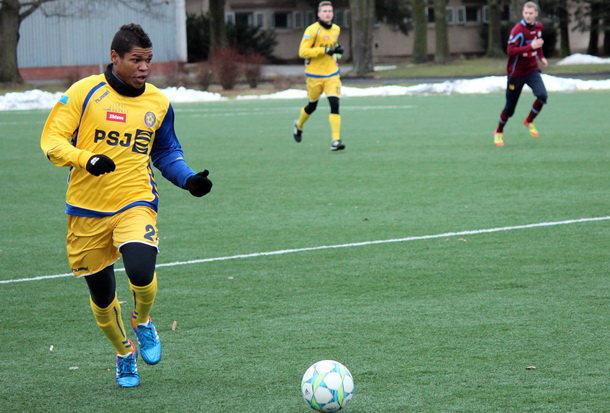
<point x="321" y="50"/>
<point x="108" y="128"/>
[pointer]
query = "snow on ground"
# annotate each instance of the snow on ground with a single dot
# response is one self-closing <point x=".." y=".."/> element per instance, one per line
<point x="38" y="99"/>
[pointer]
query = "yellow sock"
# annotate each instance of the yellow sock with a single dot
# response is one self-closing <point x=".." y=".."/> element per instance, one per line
<point x="109" y="320"/>
<point x="144" y="299"/>
<point x="335" y="126"/>
<point x="302" y="118"/>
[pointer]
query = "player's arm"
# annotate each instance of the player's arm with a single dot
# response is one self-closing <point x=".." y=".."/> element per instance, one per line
<point x="541" y="56"/>
<point x="307" y="49"/>
<point x="55" y="140"/>
<point x="168" y="157"/>
<point x="517" y="45"/>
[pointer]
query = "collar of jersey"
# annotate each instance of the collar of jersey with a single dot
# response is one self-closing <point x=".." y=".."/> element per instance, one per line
<point x="120" y="86"/>
<point x="326" y="26"/>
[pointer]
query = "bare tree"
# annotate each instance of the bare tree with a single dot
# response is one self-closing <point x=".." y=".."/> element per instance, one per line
<point x="442" y="40"/>
<point x="420" y="40"/>
<point x="12" y="13"/>
<point x="362" y="15"/>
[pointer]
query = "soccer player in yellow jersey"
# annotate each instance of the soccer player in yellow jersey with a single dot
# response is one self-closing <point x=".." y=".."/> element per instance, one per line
<point x="108" y="129"/>
<point x="320" y="48"/>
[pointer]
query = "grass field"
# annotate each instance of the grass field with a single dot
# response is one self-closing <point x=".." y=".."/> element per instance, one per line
<point x="443" y="317"/>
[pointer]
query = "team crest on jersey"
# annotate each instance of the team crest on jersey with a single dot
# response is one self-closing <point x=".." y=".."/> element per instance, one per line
<point x="150" y="119"/>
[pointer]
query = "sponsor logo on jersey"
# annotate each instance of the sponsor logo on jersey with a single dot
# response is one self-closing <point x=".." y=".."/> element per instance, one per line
<point x="150" y="119"/>
<point x="139" y="142"/>
<point x="326" y="37"/>
<point x="116" y="117"/>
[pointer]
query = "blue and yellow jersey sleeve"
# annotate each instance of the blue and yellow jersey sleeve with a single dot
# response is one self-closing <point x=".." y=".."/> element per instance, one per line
<point x="313" y="49"/>
<point x="92" y="118"/>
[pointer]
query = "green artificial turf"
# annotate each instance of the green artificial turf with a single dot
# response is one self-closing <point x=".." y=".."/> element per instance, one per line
<point x="379" y="257"/>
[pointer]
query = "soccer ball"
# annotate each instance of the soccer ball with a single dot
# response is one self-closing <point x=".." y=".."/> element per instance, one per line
<point x="327" y="386"/>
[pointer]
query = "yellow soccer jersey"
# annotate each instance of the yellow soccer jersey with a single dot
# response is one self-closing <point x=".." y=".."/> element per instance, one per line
<point x="93" y="118"/>
<point x="313" y="49"/>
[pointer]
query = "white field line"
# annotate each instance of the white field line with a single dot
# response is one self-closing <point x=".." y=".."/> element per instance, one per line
<point x="353" y="244"/>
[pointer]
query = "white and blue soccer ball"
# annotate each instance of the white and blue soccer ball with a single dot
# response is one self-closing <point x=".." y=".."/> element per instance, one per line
<point x="327" y="386"/>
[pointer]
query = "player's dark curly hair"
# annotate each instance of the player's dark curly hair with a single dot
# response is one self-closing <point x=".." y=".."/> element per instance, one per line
<point x="130" y="36"/>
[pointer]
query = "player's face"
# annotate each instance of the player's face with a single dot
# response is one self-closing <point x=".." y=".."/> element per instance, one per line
<point x="134" y="67"/>
<point x="325" y="14"/>
<point x="530" y="14"/>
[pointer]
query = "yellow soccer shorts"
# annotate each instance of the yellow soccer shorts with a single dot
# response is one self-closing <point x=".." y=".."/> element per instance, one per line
<point x="93" y="243"/>
<point x="331" y="86"/>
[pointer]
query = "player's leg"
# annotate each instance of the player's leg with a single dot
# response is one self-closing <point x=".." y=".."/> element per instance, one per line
<point x="107" y="310"/>
<point x="514" y="87"/>
<point x="136" y="234"/>
<point x="314" y="90"/>
<point x="92" y="254"/>
<point x="332" y="89"/>
<point x="534" y="81"/>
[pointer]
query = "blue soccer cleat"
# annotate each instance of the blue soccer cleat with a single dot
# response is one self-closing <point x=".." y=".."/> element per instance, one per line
<point x="126" y="369"/>
<point x="150" y="345"/>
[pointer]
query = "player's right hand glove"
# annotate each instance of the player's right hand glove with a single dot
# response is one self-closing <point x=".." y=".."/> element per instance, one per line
<point x="100" y="164"/>
<point x="330" y="50"/>
<point x="199" y="185"/>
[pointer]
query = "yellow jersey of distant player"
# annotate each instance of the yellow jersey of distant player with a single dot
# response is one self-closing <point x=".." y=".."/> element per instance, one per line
<point x="313" y="49"/>
<point x="92" y="118"/>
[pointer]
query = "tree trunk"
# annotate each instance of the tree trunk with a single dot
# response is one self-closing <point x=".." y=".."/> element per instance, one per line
<point x="517" y="6"/>
<point x="593" y="48"/>
<point x="564" y="31"/>
<point x="420" y="32"/>
<point x="218" y="31"/>
<point x="362" y="14"/>
<point x="442" y="40"/>
<point x="9" y="37"/>
<point x="494" y="41"/>
<point x="606" y="29"/>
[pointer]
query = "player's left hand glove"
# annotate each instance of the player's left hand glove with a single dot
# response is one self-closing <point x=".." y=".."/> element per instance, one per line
<point x="199" y="185"/>
<point x="338" y="49"/>
<point x="330" y="51"/>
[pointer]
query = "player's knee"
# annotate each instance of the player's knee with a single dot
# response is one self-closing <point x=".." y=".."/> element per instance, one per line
<point x="334" y="104"/>
<point x="102" y="287"/>
<point x="542" y="98"/>
<point x="140" y="261"/>
<point x="311" y="107"/>
<point x="508" y="111"/>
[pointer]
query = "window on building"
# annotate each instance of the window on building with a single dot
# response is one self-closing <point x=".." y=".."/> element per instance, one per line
<point x="297" y="18"/>
<point x="282" y="20"/>
<point x="430" y="13"/>
<point x="243" y="18"/>
<point x="460" y="15"/>
<point x="259" y="19"/>
<point x="472" y="14"/>
<point x="230" y="18"/>
<point x="449" y="12"/>
<point x="310" y="18"/>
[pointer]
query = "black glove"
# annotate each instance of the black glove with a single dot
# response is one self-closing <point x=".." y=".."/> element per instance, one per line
<point x="338" y="49"/>
<point x="199" y="185"/>
<point x="330" y="51"/>
<point x="100" y="164"/>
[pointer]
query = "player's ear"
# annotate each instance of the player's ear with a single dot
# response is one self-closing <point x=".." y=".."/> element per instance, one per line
<point x="114" y="56"/>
